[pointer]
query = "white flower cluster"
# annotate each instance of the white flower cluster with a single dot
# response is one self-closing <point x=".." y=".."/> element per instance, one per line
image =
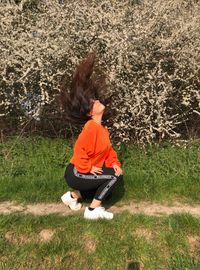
<point x="149" y="49"/>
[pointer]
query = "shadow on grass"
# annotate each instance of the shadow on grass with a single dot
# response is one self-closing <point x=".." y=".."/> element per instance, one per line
<point x="133" y="266"/>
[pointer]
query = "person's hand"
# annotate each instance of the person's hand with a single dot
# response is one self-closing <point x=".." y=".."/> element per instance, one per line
<point x="117" y="169"/>
<point x="96" y="170"/>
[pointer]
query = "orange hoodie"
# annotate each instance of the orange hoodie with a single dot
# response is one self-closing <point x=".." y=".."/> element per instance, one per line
<point x="93" y="148"/>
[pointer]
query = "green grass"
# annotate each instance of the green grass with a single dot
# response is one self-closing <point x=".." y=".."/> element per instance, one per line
<point x="164" y="172"/>
<point x="32" y="169"/>
<point x="152" y="242"/>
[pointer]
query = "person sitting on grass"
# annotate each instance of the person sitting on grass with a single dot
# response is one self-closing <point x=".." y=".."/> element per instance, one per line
<point x="94" y="167"/>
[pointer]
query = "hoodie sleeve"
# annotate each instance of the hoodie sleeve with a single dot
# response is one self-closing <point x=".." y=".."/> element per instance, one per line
<point x="84" y="148"/>
<point x="112" y="158"/>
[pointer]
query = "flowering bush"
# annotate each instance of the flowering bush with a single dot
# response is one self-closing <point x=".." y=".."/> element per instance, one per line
<point x="150" y="51"/>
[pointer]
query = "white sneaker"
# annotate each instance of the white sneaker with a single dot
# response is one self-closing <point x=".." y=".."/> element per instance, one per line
<point x="97" y="213"/>
<point x="71" y="202"/>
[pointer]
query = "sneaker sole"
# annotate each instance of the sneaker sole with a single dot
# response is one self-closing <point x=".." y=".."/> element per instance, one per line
<point x="98" y="218"/>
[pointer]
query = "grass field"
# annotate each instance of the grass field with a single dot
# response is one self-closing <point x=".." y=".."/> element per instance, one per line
<point x="32" y="169"/>
<point x="126" y="242"/>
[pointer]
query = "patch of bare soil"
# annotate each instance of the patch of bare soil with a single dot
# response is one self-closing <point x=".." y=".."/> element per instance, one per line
<point x="88" y="243"/>
<point x="46" y="235"/>
<point x="194" y="242"/>
<point x="19" y="239"/>
<point x="143" y="232"/>
<point x="147" y="208"/>
<point x="14" y="238"/>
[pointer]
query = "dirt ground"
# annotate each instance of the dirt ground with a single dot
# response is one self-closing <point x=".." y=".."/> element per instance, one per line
<point x="147" y="208"/>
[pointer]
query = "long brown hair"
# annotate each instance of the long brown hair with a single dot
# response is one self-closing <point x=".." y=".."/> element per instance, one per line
<point x="86" y="84"/>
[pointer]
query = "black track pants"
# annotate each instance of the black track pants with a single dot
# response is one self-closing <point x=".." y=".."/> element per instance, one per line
<point x="101" y="185"/>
